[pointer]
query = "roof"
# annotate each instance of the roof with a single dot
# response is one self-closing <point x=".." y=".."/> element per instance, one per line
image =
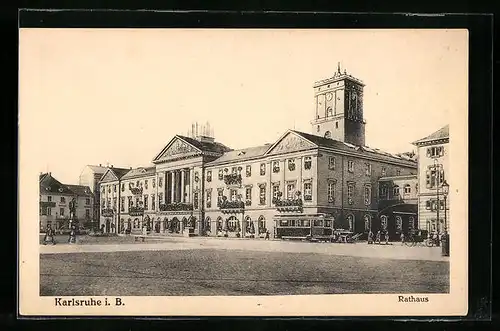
<point x="206" y="145"/>
<point x="120" y="172"/>
<point x="442" y="133"/>
<point x="49" y="184"/>
<point x="362" y="150"/>
<point x="80" y="190"/>
<point x="397" y="177"/>
<point x="97" y="169"/>
<point x="140" y="172"/>
<point x="241" y="154"/>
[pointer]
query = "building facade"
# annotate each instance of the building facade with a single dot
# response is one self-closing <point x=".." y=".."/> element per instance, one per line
<point x="110" y="195"/>
<point x="90" y="176"/>
<point x="56" y="200"/>
<point x="433" y="167"/>
<point x="303" y="184"/>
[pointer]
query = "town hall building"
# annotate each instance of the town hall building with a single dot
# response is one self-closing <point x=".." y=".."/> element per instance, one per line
<point x="303" y="184"/>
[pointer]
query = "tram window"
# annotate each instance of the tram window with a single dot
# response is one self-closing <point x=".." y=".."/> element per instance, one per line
<point x="328" y="223"/>
<point x="283" y="223"/>
<point x="292" y="222"/>
<point x="318" y="223"/>
<point x="307" y="223"/>
<point x="300" y="222"/>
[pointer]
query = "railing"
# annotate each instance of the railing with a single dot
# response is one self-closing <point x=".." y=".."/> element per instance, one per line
<point x="107" y="212"/>
<point x="176" y="206"/>
<point x="232" y="179"/>
<point x="288" y="205"/>
<point x="136" y="211"/>
<point x="231" y="206"/>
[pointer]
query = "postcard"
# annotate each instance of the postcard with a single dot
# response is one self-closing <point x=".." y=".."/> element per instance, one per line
<point x="243" y="172"/>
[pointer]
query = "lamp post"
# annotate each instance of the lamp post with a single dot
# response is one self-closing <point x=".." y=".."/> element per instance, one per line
<point x="446" y="188"/>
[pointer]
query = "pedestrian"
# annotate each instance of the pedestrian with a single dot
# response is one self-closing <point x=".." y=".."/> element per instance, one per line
<point x="386" y="237"/>
<point x="267" y="235"/>
<point x="377" y="237"/>
<point x="370" y="237"/>
<point x="402" y="238"/>
<point x="49" y="236"/>
<point x="72" y="235"/>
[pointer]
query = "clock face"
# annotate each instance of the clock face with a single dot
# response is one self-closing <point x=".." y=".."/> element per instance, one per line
<point x="329" y="96"/>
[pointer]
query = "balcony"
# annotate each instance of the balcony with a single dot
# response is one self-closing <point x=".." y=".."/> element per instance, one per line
<point x="228" y="207"/>
<point x="232" y="180"/>
<point x="108" y="212"/>
<point x="290" y="205"/>
<point x="135" y="211"/>
<point x="176" y="206"/>
<point x="136" y="190"/>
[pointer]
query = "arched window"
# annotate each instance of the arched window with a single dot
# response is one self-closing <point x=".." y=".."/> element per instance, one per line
<point x="233" y="225"/>
<point x="262" y="224"/>
<point x="407" y="189"/>
<point x="411" y="223"/>
<point x="207" y="224"/>
<point x="383" y="222"/>
<point x="350" y="222"/>
<point x="328" y="135"/>
<point x="396" y="191"/>
<point x="329" y="111"/>
<point x="250" y="228"/>
<point x="219" y="223"/>
<point x="368" y="222"/>
<point x="399" y="224"/>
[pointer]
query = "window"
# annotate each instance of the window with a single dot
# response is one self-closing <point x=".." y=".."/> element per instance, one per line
<point x="221" y="174"/>
<point x="87" y="201"/>
<point x="331" y="163"/>
<point x="195" y="200"/>
<point x="434" y="176"/>
<point x="114" y="188"/>
<point x="130" y="202"/>
<point x="87" y="213"/>
<point x="276" y="166"/>
<point x="146" y="184"/>
<point x="432" y="205"/>
<point x="154" y="182"/>
<point x="153" y="202"/>
<point x="49" y="198"/>
<point x="262" y="195"/>
<point x="248" y="196"/>
<point x="395" y="191"/>
<point x="63" y="200"/>
<point x="350" y="221"/>
<point x="43" y="211"/>
<point x="160" y="181"/>
<point x="123" y="187"/>
<point x="209" y="175"/>
<point x="384" y="171"/>
<point x="318" y="128"/>
<point x="368" y="194"/>
<point x="276" y="190"/>
<point x="109" y="188"/>
<point x="436" y="151"/>
<point x="368" y="222"/>
<point x="103" y="203"/>
<point x="398" y="172"/>
<point x="399" y="224"/>
<point x="290" y="190"/>
<point x="383" y="222"/>
<point x="114" y="203"/>
<point x="209" y="199"/>
<point x="328" y="135"/>
<point x="160" y="198"/>
<point x="49" y="211"/>
<point x="138" y="184"/>
<point x="233" y="195"/>
<point x="307" y="162"/>
<point x="307" y="191"/>
<point x="262" y="169"/>
<point x="61" y="211"/>
<point x="383" y="192"/>
<point x="416" y="188"/>
<point x="122" y="204"/>
<point x="248" y="170"/>
<point x="234" y="170"/>
<point x="407" y="189"/>
<point x="291" y="164"/>
<point x="329" y="111"/>
<point x="350" y="166"/>
<point x="350" y="193"/>
<point x="220" y="194"/>
<point x="336" y="125"/>
<point x="146" y="198"/>
<point x="331" y="191"/>
<point x="368" y="169"/>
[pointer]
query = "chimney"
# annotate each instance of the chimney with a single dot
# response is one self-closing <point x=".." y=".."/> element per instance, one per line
<point x="100" y="165"/>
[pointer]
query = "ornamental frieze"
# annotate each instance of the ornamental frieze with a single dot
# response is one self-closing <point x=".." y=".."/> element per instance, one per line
<point x="291" y="143"/>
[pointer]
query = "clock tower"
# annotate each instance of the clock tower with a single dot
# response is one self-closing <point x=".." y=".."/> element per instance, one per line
<point x="338" y="114"/>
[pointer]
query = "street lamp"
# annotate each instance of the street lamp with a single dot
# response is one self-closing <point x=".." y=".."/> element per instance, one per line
<point x="446" y="188"/>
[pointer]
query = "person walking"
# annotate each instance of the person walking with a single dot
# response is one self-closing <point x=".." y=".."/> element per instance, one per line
<point x="402" y="238"/>
<point x="49" y="236"/>
<point x="378" y="237"/>
<point x="267" y="235"/>
<point x="144" y="232"/>
<point x="386" y="237"/>
<point x="370" y="237"/>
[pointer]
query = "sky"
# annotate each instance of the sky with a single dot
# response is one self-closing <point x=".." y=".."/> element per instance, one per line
<point x="118" y="96"/>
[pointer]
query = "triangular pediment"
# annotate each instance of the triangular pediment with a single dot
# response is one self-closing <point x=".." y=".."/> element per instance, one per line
<point x="290" y="142"/>
<point x="175" y="149"/>
<point x="109" y="176"/>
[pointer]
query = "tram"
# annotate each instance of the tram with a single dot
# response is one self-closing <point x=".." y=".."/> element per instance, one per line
<point x="304" y="227"/>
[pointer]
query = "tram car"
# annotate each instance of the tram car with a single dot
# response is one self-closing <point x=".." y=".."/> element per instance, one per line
<point x="316" y="227"/>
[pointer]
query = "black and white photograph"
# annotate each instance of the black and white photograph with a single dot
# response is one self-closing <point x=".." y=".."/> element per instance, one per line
<point x="239" y="172"/>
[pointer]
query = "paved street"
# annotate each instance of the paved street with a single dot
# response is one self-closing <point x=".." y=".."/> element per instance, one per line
<point x="207" y="266"/>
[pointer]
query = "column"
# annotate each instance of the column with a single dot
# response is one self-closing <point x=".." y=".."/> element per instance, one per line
<point x="172" y="188"/>
<point x="182" y="185"/>
<point x="191" y="184"/>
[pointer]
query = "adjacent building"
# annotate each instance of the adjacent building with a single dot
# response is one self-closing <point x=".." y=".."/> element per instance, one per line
<point x="90" y="176"/>
<point x="302" y="184"/>
<point x="55" y="201"/>
<point x="433" y="169"/>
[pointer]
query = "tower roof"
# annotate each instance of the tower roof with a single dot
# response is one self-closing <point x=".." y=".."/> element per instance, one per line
<point x="338" y="76"/>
